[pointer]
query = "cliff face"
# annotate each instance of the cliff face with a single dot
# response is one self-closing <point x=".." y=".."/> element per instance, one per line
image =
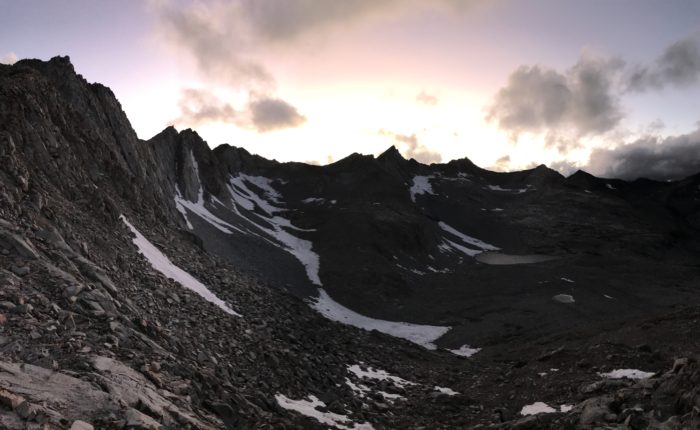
<point x="146" y="284"/>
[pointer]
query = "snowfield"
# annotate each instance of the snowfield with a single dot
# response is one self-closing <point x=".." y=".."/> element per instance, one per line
<point x="421" y="185"/>
<point x="270" y="223"/>
<point x="423" y="335"/>
<point x="162" y="264"/>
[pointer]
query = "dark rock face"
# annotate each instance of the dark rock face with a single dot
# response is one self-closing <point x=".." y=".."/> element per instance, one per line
<point x="93" y="335"/>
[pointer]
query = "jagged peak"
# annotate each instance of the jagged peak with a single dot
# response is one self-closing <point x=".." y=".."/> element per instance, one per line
<point x="392" y="153"/>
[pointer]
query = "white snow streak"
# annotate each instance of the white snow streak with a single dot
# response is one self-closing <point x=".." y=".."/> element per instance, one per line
<point x="423" y="335"/>
<point x="510" y="190"/>
<point x="162" y="264"/>
<point x="308" y="408"/>
<point x="472" y="241"/>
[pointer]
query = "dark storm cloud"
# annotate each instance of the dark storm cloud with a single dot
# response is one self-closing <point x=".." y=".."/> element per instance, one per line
<point x="427" y="99"/>
<point x="268" y="114"/>
<point x="678" y="66"/>
<point x="199" y="107"/>
<point x="581" y="100"/>
<point x="673" y="157"/>
<point x="410" y="147"/>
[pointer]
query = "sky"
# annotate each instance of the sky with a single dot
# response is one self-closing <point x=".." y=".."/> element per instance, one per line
<point x="608" y="86"/>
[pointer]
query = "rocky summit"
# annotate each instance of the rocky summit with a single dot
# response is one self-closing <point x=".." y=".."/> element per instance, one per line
<point x="163" y="284"/>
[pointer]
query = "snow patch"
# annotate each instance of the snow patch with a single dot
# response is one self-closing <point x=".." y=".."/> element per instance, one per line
<point x="627" y="373"/>
<point x="537" y="408"/>
<point x="421" y="185"/>
<point x="564" y="298"/>
<point x="423" y="335"/>
<point x="309" y="408"/>
<point x="378" y="375"/>
<point x="465" y="351"/>
<point x="445" y="390"/>
<point x="565" y="408"/>
<point x="610" y="186"/>
<point x="162" y="264"/>
<point x="567" y="280"/>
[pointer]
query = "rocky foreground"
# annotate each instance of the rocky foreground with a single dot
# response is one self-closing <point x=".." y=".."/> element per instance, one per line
<point x="94" y="336"/>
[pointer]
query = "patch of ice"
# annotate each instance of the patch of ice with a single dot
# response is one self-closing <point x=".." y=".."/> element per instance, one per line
<point x="564" y="298"/>
<point x="465" y="351"/>
<point x="379" y="375"/>
<point x="537" y="408"/>
<point x="445" y="390"/>
<point x="423" y="335"/>
<point x="627" y="373"/>
<point x="421" y="185"/>
<point x="162" y="264"/>
<point x="309" y="408"/>
<point x="468" y="239"/>
<point x="276" y="227"/>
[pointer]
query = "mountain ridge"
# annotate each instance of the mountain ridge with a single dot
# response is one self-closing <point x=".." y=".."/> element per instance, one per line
<point x="102" y="234"/>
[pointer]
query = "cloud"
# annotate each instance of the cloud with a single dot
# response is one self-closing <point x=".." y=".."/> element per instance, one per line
<point x="9" y="58"/>
<point x="213" y="33"/>
<point x="261" y="113"/>
<point x="269" y="113"/>
<point x="678" y="66"/>
<point x="565" y="167"/>
<point x="411" y="148"/>
<point x="651" y="157"/>
<point x="226" y="38"/>
<point x="502" y="164"/>
<point x="199" y="107"/>
<point x="580" y="101"/>
<point x="427" y="99"/>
